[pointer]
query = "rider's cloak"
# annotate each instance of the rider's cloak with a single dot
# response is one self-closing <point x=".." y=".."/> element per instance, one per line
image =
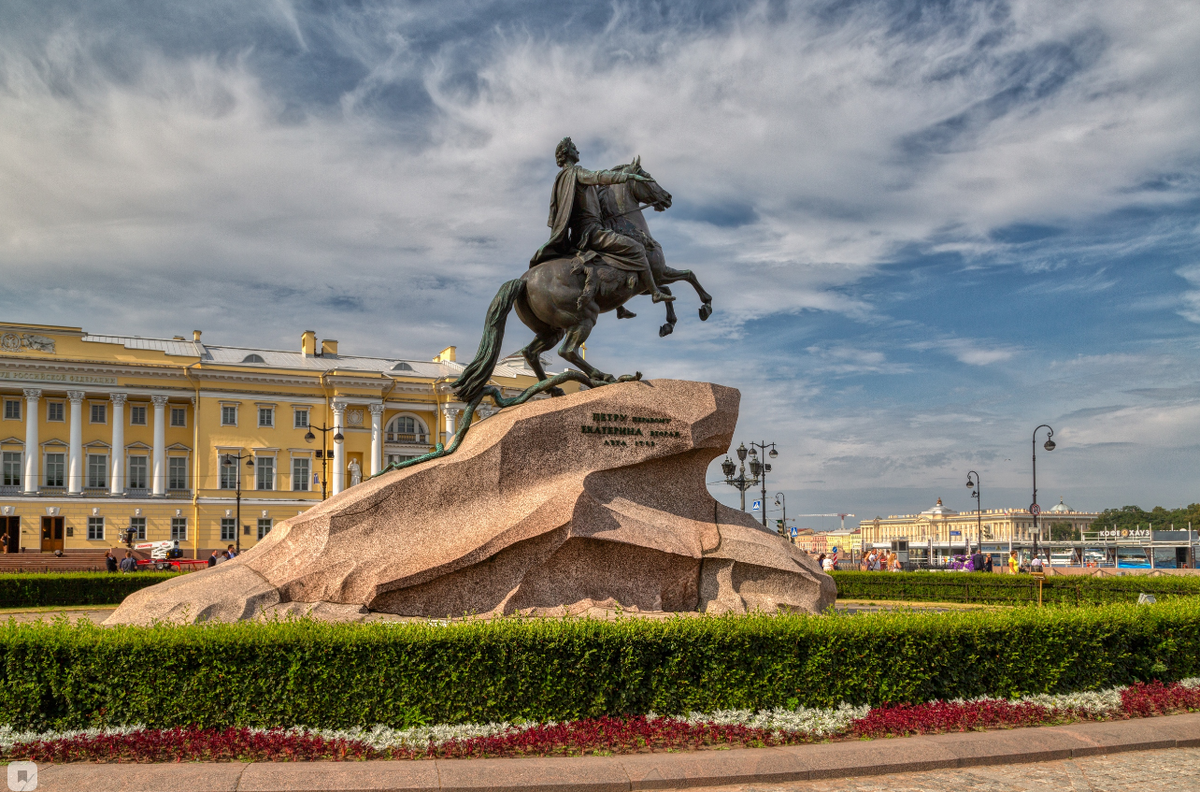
<point x="563" y="208"/>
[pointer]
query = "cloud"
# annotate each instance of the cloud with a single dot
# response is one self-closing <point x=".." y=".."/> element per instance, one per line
<point x="973" y="352"/>
<point x="379" y="169"/>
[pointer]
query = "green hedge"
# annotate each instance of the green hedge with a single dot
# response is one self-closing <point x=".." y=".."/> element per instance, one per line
<point x="54" y="675"/>
<point x="1007" y="589"/>
<point x="29" y="590"/>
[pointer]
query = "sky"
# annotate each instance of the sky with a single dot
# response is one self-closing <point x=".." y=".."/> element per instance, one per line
<point x="928" y="226"/>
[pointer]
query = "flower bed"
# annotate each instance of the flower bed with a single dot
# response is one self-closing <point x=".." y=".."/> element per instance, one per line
<point x="598" y="736"/>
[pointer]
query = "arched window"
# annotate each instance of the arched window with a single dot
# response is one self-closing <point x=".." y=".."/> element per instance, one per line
<point x="406" y="429"/>
<point x="253" y="359"/>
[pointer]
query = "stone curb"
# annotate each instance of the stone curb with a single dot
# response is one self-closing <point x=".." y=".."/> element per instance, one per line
<point x="641" y="771"/>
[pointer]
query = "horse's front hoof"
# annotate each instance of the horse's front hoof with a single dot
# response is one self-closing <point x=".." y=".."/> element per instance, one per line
<point x="557" y="392"/>
<point x="705" y="312"/>
<point x="665" y="331"/>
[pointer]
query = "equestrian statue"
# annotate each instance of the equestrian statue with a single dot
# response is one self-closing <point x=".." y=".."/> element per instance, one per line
<point x="599" y="256"/>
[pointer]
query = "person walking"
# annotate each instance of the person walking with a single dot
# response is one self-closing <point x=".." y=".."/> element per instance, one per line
<point x="128" y="563"/>
<point x="1014" y="566"/>
<point x="977" y="561"/>
<point x="212" y="559"/>
<point x="987" y="563"/>
<point x="110" y="561"/>
<point x="230" y="552"/>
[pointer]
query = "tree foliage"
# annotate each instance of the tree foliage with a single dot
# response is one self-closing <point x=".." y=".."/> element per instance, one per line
<point x="1159" y="518"/>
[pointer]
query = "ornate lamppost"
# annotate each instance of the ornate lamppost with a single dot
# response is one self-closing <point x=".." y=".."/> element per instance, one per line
<point x="768" y="449"/>
<point x="232" y="460"/>
<point x="1034" y="509"/>
<point x="741" y="483"/>
<point x="758" y="472"/>
<point x="323" y="453"/>
<point x="978" y="511"/>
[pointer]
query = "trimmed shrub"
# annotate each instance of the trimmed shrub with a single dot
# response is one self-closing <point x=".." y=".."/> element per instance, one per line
<point x="54" y="675"/>
<point x="31" y="590"/>
<point x="1007" y="589"/>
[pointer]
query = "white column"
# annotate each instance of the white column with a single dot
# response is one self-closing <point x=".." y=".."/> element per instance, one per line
<point x="116" y="486"/>
<point x="33" y="449"/>
<point x="75" y="457"/>
<point x="376" y="437"/>
<point x="451" y="417"/>
<point x="339" y="450"/>
<point x="160" y="444"/>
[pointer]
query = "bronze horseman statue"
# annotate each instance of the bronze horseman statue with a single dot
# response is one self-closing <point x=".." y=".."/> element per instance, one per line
<point x="599" y="256"/>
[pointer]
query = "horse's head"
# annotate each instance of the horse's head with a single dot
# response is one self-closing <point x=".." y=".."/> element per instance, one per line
<point x="647" y="192"/>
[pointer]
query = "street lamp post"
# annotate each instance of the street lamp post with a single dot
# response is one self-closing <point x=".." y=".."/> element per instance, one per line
<point x="234" y="460"/>
<point x="324" y="430"/>
<point x="781" y="502"/>
<point x="1034" y="509"/>
<point x="741" y="483"/>
<point x="760" y="470"/>
<point x="978" y="511"/>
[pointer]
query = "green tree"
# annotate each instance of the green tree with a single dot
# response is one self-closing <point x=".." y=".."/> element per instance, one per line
<point x="1129" y="517"/>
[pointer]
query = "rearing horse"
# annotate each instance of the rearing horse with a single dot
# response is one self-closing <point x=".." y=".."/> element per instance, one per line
<point x="562" y="298"/>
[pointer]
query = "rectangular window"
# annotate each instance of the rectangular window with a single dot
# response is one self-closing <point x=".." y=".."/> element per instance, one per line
<point x="228" y="529"/>
<point x="12" y="410"/>
<point x="96" y="528"/>
<point x="300" y="467"/>
<point x="228" y="415"/>
<point x="137" y="415"/>
<point x="177" y="473"/>
<point x="97" y="471"/>
<point x="264" y="526"/>
<point x="12" y="468"/>
<point x="229" y="474"/>
<point x="300" y="418"/>
<point x="99" y="413"/>
<point x="266" y="417"/>
<point x="54" y="411"/>
<point x="264" y="468"/>
<point x="137" y="472"/>
<point x="179" y="416"/>
<point x="138" y="524"/>
<point x="179" y="528"/>
<point x="56" y="465"/>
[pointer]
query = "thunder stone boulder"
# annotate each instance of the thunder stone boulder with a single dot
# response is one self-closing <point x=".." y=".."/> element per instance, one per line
<point x="559" y="505"/>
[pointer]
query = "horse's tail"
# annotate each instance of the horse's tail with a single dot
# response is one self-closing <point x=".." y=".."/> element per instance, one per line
<point x="475" y="377"/>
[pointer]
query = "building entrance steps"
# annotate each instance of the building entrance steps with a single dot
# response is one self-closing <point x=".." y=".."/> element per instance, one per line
<point x="644" y="771"/>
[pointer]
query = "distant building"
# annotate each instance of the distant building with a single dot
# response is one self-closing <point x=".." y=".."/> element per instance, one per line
<point x="947" y="528"/>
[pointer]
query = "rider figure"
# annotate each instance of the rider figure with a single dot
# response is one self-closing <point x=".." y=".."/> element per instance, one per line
<point x="575" y="220"/>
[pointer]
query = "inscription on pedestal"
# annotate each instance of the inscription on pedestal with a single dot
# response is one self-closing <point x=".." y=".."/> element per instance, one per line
<point x="610" y="424"/>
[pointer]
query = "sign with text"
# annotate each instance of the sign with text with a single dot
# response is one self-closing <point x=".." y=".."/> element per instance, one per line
<point x="50" y="376"/>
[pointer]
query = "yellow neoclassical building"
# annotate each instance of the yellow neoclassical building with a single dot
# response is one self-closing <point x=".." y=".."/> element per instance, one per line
<point x="948" y="529"/>
<point x="100" y="434"/>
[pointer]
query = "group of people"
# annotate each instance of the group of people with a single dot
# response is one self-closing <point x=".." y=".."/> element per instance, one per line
<point x="880" y="561"/>
<point x="219" y="556"/>
<point x="126" y="564"/>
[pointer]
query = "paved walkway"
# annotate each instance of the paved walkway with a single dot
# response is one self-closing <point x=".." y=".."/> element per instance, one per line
<point x="1084" y="756"/>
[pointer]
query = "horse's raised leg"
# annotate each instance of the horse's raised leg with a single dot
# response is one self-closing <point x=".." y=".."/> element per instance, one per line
<point x="673" y="275"/>
<point x="666" y="329"/>
<point x="533" y="354"/>
<point x="569" y="351"/>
